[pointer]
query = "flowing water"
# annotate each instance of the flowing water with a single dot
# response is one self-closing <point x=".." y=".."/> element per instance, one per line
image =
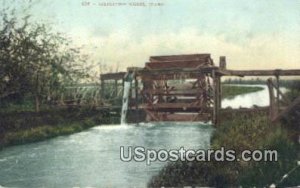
<point x="92" y="158"/>
<point x="126" y="92"/>
<point x="259" y="98"/>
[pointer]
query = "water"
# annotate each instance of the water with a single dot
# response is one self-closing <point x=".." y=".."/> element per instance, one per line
<point x="260" y="98"/>
<point x="126" y="92"/>
<point x="92" y="158"/>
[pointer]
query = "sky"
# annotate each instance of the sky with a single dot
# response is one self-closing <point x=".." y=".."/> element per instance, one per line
<point x="257" y="34"/>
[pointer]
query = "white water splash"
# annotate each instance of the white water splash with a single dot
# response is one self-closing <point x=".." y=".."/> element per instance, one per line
<point x="125" y="102"/>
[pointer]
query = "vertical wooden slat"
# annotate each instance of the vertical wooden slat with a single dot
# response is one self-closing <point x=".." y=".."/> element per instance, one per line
<point x="219" y="93"/>
<point x="136" y="86"/>
<point x="214" y="119"/>
<point x="218" y="101"/>
<point x="277" y="92"/>
<point x="272" y="99"/>
<point x="102" y="88"/>
<point x="116" y="87"/>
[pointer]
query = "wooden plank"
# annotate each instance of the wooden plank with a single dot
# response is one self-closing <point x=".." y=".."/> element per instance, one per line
<point x="214" y="117"/>
<point x="281" y="72"/>
<point x="206" y="69"/>
<point x="176" y="64"/>
<point x="189" y="92"/>
<point x="175" y="107"/>
<point x="113" y="76"/>
<point x="170" y="105"/>
<point x="178" y="76"/>
<point x="181" y="100"/>
<point x="179" y="57"/>
<point x="180" y="110"/>
<point x="174" y="73"/>
<point x="184" y="117"/>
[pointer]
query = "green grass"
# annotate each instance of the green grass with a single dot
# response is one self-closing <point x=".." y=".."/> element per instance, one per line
<point x="43" y="132"/>
<point x="25" y="127"/>
<point x="239" y="132"/>
<point x="230" y="91"/>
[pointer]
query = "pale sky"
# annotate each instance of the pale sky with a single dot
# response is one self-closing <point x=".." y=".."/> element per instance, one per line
<point x="257" y="34"/>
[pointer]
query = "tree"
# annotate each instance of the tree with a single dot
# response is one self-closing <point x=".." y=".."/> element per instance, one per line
<point x="35" y="60"/>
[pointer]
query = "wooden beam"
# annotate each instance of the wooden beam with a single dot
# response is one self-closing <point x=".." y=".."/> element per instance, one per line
<point x="179" y="57"/>
<point x="178" y="76"/>
<point x="113" y="76"/>
<point x="176" y="64"/>
<point x="281" y="72"/>
<point x="187" y="92"/>
<point x="174" y="73"/>
<point x="171" y="105"/>
<point x="181" y="117"/>
<point x="175" y="107"/>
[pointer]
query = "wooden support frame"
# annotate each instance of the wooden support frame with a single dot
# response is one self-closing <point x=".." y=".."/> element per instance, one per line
<point x="215" y="118"/>
<point x="277" y="91"/>
<point x="272" y="108"/>
<point x="205" y="98"/>
<point x="102" y="88"/>
<point x="116" y="88"/>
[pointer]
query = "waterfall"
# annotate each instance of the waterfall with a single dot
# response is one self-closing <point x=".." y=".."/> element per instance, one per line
<point x="125" y="102"/>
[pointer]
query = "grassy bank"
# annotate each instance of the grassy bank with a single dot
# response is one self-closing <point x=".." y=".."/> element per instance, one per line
<point x="246" y="131"/>
<point x="25" y="127"/>
<point x="230" y="91"/>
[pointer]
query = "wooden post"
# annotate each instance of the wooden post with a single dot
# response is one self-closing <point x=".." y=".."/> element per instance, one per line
<point x="116" y="87"/>
<point x="222" y="62"/>
<point x="219" y="93"/>
<point x="102" y="88"/>
<point x="277" y="92"/>
<point x="136" y="85"/>
<point x="37" y="93"/>
<point x="122" y="88"/>
<point x="216" y="99"/>
<point x="272" y="99"/>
